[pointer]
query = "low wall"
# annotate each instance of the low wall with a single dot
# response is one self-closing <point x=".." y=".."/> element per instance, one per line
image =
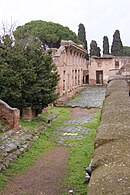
<point x="9" y="116"/>
<point x="111" y="159"/>
<point x="14" y="144"/>
<point x="63" y="99"/>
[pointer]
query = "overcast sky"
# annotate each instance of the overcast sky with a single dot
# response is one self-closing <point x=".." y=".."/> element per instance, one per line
<point x="100" y="17"/>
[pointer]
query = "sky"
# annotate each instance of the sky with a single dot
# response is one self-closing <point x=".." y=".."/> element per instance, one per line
<point x="100" y="17"/>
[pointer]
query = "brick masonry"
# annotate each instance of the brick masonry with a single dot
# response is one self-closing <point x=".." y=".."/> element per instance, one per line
<point x="9" y="116"/>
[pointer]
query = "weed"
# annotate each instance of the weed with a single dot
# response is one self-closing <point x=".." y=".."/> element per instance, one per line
<point x="80" y="157"/>
<point x="41" y="145"/>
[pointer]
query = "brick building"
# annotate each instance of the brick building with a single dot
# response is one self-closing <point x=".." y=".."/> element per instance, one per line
<point x="71" y="65"/>
<point x="100" y="68"/>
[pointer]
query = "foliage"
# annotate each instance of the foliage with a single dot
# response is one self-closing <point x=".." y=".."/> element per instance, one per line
<point x="82" y="35"/>
<point x="105" y="45"/>
<point x="126" y="51"/>
<point x="76" y="166"/>
<point x="25" y="70"/>
<point x="49" y="33"/>
<point x="41" y="145"/>
<point x="117" y="46"/>
<point x="80" y="158"/>
<point x="94" y="49"/>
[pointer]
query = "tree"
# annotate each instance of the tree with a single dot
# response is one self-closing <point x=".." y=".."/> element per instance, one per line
<point x="82" y="35"/>
<point x="105" y="45"/>
<point x="126" y="51"/>
<point x="46" y="78"/>
<point x="117" y="46"/>
<point x="94" y="50"/>
<point x="49" y="33"/>
<point x="10" y="84"/>
<point x="28" y="77"/>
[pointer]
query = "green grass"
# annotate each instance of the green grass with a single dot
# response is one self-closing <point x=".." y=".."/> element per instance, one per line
<point x="41" y="145"/>
<point x="80" y="157"/>
<point x="80" y="153"/>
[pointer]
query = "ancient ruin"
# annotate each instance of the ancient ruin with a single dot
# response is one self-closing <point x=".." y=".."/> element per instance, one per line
<point x="71" y="65"/>
<point x="75" y="70"/>
<point x="110" y="164"/>
<point x="100" y="68"/>
<point x="9" y="116"/>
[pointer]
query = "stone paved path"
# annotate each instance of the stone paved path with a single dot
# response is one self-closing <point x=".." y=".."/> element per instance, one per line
<point x="89" y="97"/>
<point x="46" y="176"/>
<point x="73" y="129"/>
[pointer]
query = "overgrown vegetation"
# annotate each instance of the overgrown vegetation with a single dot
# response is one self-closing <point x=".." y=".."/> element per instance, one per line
<point x="80" y="158"/>
<point x="42" y="144"/>
<point x="80" y="153"/>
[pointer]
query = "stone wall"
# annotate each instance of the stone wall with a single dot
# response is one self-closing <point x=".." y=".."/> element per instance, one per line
<point x="13" y="144"/>
<point x="71" y="62"/>
<point x="111" y="159"/>
<point x="9" y="116"/>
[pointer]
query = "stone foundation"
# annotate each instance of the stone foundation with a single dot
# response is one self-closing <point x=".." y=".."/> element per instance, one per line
<point x="14" y="144"/>
<point x="9" y="116"/>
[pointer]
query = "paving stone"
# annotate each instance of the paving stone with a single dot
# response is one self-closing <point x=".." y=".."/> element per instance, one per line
<point x="89" y="97"/>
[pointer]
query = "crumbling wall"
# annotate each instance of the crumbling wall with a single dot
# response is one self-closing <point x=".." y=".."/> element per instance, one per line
<point x="111" y="159"/>
<point x="9" y="116"/>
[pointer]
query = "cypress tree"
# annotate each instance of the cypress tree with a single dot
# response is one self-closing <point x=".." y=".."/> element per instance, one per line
<point x="117" y="46"/>
<point x="94" y="49"/>
<point x="105" y="45"/>
<point x="82" y="35"/>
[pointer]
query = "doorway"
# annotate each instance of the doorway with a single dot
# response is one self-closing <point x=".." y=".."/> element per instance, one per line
<point x="86" y="79"/>
<point x="99" y="77"/>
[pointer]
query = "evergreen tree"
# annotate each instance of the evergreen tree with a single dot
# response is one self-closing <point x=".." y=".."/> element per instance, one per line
<point x="10" y="84"/>
<point x="49" y="33"/>
<point x="117" y="46"/>
<point x="98" y="52"/>
<point x="82" y="35"/>
<point x="28" y="77"/>
<point x="105" y="45"/>
<point x="126" y="50"/>
<point x="94" y="50"/>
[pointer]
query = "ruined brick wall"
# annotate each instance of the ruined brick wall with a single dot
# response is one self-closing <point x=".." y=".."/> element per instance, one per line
<point x="70" y="61"/>
<point x="9" y="116"/>
<point x="111" y="159"/>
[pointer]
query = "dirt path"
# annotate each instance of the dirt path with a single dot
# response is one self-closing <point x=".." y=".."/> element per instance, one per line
<point x="44" y="178"/>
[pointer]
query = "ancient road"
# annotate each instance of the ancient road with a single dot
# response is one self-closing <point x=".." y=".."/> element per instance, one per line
<point x="46" y="175"/>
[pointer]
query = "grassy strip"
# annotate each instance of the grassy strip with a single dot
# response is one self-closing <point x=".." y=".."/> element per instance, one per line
<point x="80" y="158"/>
<point x="41" y="145"/>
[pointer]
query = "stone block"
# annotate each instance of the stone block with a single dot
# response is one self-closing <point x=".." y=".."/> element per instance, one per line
<point x="110" y="180"/>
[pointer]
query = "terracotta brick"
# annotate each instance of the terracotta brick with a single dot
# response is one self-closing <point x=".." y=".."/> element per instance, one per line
<point x="10" y="116"/>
